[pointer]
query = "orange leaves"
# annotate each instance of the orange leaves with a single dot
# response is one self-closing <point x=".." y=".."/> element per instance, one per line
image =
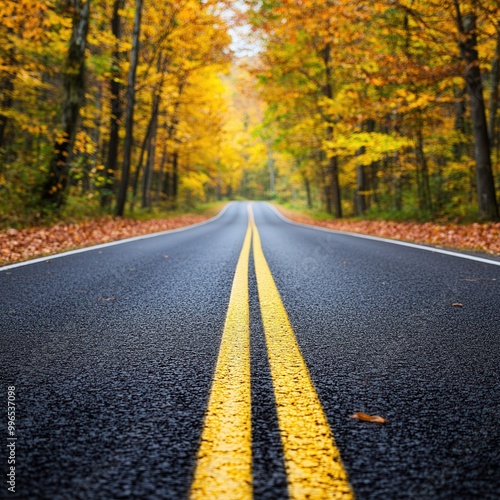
<point x="18" y="245"/>
<point x="377" y="419"/>
<point x="481" y="237"/>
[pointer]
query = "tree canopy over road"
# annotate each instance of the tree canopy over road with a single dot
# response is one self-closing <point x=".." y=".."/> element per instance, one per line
<point x="384" y="108"/>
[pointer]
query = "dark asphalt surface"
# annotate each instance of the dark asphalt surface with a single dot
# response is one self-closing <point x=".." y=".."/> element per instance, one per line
<point x="112" y="352"/>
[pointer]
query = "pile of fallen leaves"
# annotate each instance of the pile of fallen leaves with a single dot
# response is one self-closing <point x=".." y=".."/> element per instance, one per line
<point x="21" y="244"/>
<point x="477" y="237"/>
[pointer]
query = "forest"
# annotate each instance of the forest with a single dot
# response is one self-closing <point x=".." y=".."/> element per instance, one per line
<point x="381" y="109"/>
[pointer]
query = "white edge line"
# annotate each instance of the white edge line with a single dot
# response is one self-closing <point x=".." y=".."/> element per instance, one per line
<point x="387" y="240"/>
<point x="8" y="267"/>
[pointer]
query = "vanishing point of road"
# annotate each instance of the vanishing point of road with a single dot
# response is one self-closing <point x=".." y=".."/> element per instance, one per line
<point x="225" y="360"/>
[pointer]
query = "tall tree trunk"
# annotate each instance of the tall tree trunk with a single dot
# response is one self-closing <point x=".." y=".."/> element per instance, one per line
<point x="495" y="81"/>
<point x="460" y="108"/>
<point x="361" y="174"/>
<point x="333" y="170"/>
<point x="488" y="208"/>
<point x="161" y="173"/>
<point x="116" y="107"/>
<point x="147" y="196"/>
<point x="54" y="189"/>
<point x="175" y="176"/>
<point x="7" y="89"/>
<point x="307" y="184"/>
<point x="425" y="200"/>
<point x="361" y="186"/>
<point x="6" y="104"/>
<point x="149" y="170"/>
<point x="129" y="113"/>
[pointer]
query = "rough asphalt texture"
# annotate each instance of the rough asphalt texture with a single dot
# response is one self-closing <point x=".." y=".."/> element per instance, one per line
<point x="112" y="353"/>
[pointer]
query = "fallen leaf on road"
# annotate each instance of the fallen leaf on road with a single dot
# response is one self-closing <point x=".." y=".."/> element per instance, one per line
<point x="369" y="418"/>
<point x="457" y="304"/>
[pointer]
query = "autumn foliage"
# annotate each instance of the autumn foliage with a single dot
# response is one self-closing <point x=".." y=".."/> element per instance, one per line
<point x="483" y="237"/>
<point x="18" y="245"/>
<point x="381" y="108"/>
<point x="385" y="105"/>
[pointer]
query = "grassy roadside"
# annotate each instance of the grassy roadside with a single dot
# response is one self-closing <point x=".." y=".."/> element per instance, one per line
<point x="476" y="237"/>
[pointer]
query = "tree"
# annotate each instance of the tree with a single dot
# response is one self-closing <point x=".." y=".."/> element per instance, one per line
<point x="54" y="189"/>
<point x="129" y="113"/>
<point x="467" y="27"/>
<point x="116" y="105"/>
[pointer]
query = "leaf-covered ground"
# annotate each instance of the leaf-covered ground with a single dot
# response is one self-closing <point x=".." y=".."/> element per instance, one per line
<point x="23" y="244"/>
<point x="476" y="237"/>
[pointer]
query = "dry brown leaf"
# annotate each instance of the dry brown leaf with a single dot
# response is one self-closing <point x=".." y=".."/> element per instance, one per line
<point x="457" y="304"/>
<point x="369" y="418"/>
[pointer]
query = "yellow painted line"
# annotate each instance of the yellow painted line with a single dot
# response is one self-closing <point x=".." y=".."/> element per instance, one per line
<point x="224" y="462"/>
<point x="312" y="461"/>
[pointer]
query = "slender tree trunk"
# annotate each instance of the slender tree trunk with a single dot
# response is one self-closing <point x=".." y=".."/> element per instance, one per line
<point x="138" y="169"/>
<point x="495" y="81"/>
<point x="167" y="184"/>
<point x="374" y="182"/>
<point x="361" y="175"/>
<point x="7" y="91"/>
<point x="161" y="173"/>
<point x="361" y="186"/>
<point x="7" y="101"/>
<point x="307" y="183"/>
<point x="333" y="170"/>
<point x="147" y="197"/>
<point x="335" y="186"/>
<point x="488" y="208"/>
<point x="129" y="113"/>
<point x="116" y="107"/>
<point x="149" y="170"/>
<point x="175" y="176"/>
<point x="460" y="108"/>
<point x="325" y="185"/>
<point x="425" y="200"/>
<point x="54" y="189"/>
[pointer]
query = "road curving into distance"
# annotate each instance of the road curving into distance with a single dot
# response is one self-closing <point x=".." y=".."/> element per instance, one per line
<point x="225" y="361"/>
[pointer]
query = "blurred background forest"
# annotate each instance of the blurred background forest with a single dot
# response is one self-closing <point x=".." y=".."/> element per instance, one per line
<point x="371" y="109"/>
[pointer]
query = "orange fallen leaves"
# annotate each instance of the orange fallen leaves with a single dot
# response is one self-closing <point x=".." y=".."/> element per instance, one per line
<point x="479" y="237"/>
<point x="369" y="418"/>
<point x="18" y="245"/>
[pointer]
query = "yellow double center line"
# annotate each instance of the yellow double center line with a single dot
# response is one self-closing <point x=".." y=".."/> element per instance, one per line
<point x="224" y="464"/>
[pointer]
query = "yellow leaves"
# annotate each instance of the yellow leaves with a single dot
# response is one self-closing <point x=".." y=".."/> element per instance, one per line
<point x="34" y="129"/>
<point x="84" y="144"/>
<point x="376" y="145"/>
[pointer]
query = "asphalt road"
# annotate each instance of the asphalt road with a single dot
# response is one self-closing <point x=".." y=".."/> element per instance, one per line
<point x="112" y="354"/>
